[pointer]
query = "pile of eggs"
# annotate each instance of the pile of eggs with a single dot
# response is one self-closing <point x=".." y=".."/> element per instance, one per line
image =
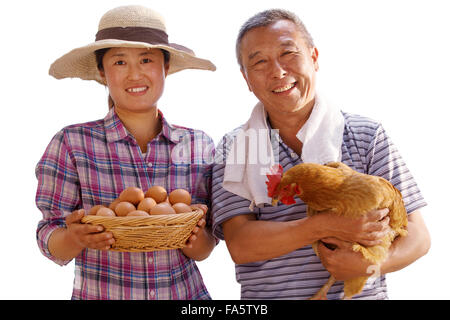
<point x="134" y="202"/>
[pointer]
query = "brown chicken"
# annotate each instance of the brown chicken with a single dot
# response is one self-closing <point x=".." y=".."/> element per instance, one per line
<point x="337" y="188"/>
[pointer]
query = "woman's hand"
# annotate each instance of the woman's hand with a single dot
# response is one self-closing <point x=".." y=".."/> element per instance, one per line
<point x="86" y="235"/>
<point x="67" y="243"/>
<point x="201" y="242"/>
<point x="200" y="225"/>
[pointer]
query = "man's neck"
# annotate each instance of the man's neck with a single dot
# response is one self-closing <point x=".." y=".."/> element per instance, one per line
<point x="289" y="124"/>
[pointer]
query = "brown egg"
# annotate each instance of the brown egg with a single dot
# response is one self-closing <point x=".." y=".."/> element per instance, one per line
<point x="123" y="208"/>
<point x="181" y="207"/>
<point x="180" y="195"/>
<point x="162" y="208"/>
<point x="113" y="204"/>
<point x="146" y="204"/>
<point x="105" y="212"/>
<point x="138" y="213"/>
<point x="132" y="194"/>
<point x="158" y="193"/>
<point x="94" y="209"/>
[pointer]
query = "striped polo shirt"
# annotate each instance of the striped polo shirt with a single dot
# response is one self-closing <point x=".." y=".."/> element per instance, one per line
<point x="299" y="274"/>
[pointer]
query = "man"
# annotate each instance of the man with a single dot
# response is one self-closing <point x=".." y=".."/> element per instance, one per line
<point x="271" y="246"/>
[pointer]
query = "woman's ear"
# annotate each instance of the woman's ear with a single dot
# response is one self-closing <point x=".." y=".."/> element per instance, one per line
<point x="166" y="68"/>
<point x="102" y="73"/>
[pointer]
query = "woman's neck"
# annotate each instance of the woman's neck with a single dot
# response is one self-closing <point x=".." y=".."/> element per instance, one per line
<point x="144" y="126"/>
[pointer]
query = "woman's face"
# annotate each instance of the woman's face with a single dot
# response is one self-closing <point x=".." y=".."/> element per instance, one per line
<point x="135" y="77"/>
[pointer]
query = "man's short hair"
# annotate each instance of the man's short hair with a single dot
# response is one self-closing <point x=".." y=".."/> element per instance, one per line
<point x="266" y="18"/>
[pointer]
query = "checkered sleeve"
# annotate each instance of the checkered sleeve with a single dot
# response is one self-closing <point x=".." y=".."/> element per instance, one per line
<point x="202" y="161"/>
<point x="58" y="191"/>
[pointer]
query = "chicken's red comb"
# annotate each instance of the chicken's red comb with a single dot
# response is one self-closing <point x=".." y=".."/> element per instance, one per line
<point x="274" y="179"/>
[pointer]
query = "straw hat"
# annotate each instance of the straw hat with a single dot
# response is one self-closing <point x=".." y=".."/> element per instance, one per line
<point x="126" y="26"/>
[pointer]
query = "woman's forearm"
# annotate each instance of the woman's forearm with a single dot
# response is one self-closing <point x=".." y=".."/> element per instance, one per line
<point x="61" y="246"/>
<point x="203" y="246"/>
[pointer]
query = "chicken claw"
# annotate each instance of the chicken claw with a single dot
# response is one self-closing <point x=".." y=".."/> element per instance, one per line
<point x="322" y="293"/>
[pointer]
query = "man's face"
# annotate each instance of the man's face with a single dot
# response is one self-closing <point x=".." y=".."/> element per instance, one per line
<point x="279" y="67"/>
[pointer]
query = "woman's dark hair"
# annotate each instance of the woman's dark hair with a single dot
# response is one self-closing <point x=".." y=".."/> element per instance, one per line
<point x="99" y="54"/>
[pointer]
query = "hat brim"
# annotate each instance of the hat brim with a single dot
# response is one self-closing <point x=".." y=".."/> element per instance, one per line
<point x="81" y="62"/>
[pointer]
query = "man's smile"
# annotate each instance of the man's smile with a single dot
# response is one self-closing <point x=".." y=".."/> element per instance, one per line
<point x="285" y="88"/>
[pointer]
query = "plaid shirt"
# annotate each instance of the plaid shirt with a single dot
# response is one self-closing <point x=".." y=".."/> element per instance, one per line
<point x="91" y="163"/>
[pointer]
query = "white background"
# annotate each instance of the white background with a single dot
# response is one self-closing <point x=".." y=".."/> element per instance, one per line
<point x="388" y="60"/>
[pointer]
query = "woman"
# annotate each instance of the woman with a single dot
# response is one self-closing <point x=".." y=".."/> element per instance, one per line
<point x="91" y="163"/>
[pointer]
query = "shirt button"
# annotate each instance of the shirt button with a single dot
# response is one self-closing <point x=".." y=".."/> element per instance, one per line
<point x="149" y="164"/>
<point x="293" y="155"/>
<point x="152" y="293"/>
<point x="150" y="260"/>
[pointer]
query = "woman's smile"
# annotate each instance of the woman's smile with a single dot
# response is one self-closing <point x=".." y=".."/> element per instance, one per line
<point x="138" y="91"/>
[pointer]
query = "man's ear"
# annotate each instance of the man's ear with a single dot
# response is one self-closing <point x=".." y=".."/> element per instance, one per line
<point x="244" y="74"/>
<point x="315" y="58"/>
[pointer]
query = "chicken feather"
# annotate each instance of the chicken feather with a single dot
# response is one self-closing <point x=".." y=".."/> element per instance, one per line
<point x="337" y="188"/>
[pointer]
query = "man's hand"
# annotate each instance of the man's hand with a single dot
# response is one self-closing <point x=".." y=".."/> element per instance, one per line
<point x="368" y="229"/>
<point x="341" y="261"/>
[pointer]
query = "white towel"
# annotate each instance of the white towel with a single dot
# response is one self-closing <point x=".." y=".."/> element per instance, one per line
<point x="322" y="134"/>
<point x="251" y="154"/>
<point x="249" y="158"/>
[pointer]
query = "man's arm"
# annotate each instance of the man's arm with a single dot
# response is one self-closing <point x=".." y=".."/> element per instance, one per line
<point x="343" y="263"/>
<point x="406" y="250"/>
<point x="250" y="240"/>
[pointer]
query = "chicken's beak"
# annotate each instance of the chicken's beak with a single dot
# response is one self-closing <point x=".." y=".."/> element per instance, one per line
<point x="274" y="202"/>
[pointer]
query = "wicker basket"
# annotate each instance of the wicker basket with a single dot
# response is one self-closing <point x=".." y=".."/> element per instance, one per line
<point x="157" y="232"/>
